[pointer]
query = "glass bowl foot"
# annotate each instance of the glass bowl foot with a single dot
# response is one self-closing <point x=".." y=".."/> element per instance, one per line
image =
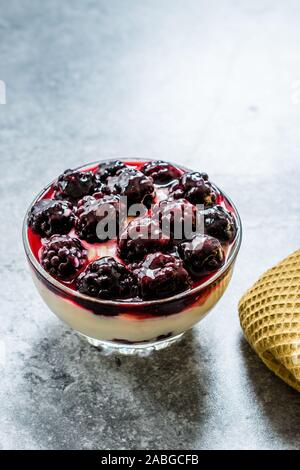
<point x="131" y="349"/>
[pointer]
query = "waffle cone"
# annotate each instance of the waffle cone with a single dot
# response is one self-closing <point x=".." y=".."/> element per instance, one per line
<point x="270" y="318"/>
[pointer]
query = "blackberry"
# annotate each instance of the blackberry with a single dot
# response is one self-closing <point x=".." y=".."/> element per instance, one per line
<point x="202" y="255"/>
<point x="73" y="185"/>
<point x="100" y="188"/>
<point x="133" y="184"/>
<point x="107" y="279"/>
<point x="161" y="172"/>
<point x="177" y="217"/>
<point x="161" y="275"/>
<point x="63" y="256"/>
<point x="109" y="169"/>
<point x="48" y="217"/>
<point x="91" y="211"/>
<point x="219" y="223"/>
<point x="142" y="236"/>
<point x="195" y="187"/>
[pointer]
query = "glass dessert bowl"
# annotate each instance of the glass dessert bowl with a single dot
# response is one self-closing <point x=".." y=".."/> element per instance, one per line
<point x="129" y="283"/>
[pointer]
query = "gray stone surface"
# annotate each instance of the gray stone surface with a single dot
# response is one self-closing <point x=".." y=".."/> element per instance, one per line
<point x="214" y="85"/>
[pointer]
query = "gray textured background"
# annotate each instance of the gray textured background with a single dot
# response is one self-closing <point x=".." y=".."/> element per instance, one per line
<point x="211" y="84"/>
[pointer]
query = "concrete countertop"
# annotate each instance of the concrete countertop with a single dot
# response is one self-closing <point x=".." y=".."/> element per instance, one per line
<point x="212" y="85"/>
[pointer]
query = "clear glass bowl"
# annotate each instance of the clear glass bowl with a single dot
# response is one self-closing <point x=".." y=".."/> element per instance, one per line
<point x="130" y="327"/>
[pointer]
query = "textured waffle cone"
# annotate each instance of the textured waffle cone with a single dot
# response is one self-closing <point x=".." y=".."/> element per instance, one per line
<point x="270" y="318"/>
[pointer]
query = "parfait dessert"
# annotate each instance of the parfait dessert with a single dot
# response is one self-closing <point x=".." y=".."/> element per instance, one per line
<point x="131" y="253"/>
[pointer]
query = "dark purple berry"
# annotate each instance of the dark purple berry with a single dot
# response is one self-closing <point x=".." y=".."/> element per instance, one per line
<point x="63" y="256"/>
<point x="100" y="188"/>
<point x="48" y="217"/>
<point x="219" y="223"/>
<point x="105" y="278"/>
<point x="161" y="275"/>
<point x="91" y="211"/>
<point x="177" y="217"/>
<point x="161" y="172"/>
<point x="202" y="255"/>
<point x="142" y="236"/>
<point x="133" y="184"/>
<point x="74" y="185"/>
<point x="107" y="169"/>
<point x="194" y="187"/>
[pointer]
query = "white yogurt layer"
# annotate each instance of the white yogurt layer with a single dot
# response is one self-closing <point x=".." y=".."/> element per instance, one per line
<point x="126" y="327"/>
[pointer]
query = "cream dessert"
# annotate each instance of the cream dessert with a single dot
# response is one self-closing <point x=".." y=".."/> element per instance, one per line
<point x="146" y="281"/>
